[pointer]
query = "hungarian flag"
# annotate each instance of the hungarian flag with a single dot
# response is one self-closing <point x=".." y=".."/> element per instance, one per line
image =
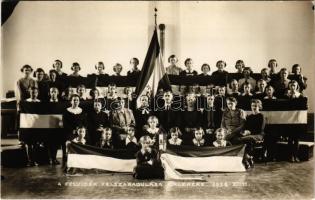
<point x="90" y="157"/>
<point x="41" y="121"/>
<point x="153" y="74"/>
<point x="185" y="162"/>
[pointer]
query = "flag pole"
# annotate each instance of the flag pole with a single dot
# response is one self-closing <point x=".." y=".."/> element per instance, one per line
<point x="155" y="16"/>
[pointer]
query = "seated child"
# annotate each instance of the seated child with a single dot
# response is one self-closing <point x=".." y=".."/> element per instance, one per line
<point x="175" y="133"/>
<point x="153" y="131"/>
<point x="106" y="141"/>
<point x="80" y="138"/>
<point x="293" y="91"/>
<point x="81" y="91"/>
<point x="148" y="161"/>
<point x="269" y="93"/>
<point x="198" y="140"/>
<point x="53" y="94"/>
<point x="33" y="95"/>
<point x="220" y="141"/>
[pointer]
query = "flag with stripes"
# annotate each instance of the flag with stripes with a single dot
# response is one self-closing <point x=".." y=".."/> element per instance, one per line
<point x="41" y="121"/>
<point x="153" y="74"/>
<point x="90" y="157"/>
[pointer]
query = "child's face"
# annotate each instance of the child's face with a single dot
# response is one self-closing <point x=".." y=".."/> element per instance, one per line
<point x="262" y="85"/>
<point x="76" y="69"/>
<point x="205" y="69"/>
<point x="198" y="135"/>
<point x="75" y="101"/>
<point x="246" y="73"/>
<point x="239" y="67"/>
<point x="220" y="135"/>
<point x="121" y="104"/>
<point x="95" y="94"/>
<point x="247" y="89"/>
<point x="71" y="91"/>
<point x="174" y="135"/>
<point x="264" y="73"/>
<point x="297" y="70"/>
<point x="97" y="106"/>
<point x="57" y="65"/>
<point x="284" y="74"/>
<point x="190" y="100"/>
<point x="81" y="91"/>
<point x="168" y="97"/>
<point x="210" y="100"/>
<point x="189" y="64"/>
<point x="152" y="123"/>
<point x="273" y="65"/>
<point x="234" y="85"/>
<point x="100" y="68"/>
<point x="34" y="93"/>
<point x="221" y="91"/>
<point x="254" y="107"/>
<point x="133" y="63"/>
<point x="106" y="135"/>
<point x="131" y="132"/>
<point x="231" y="105"/>
<point x="81" y="132"/>
<point x="53" y="76"/>
<point x="220" y="66"/>
<point x="173" y="61"/>
<point x="269" y="91"/>
<point x="53" y="93"/>
<point x="27" y="71"/>
<point x="293" y="86"/>
<point x="112" y="90"/>
<point x="117" y="69"/>
<point x="128" y="90"/>
<point x="144" y="101"/>
<point x="146" y="144"/>
<point x="40" y="75"/>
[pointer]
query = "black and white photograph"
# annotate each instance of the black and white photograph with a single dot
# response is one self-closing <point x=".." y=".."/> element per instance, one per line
<point x="157" y="99"/>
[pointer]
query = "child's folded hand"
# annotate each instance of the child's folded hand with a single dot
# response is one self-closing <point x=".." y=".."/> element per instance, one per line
<point x="150" y="162"/>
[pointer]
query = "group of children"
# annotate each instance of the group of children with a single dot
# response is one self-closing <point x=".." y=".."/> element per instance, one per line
<point x="210" y="117"/>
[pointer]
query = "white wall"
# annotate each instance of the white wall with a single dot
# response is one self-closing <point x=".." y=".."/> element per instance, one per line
<point x="39" y="32"/>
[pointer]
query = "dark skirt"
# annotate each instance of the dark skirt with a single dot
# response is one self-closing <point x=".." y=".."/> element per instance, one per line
<point x="146" y="171"/>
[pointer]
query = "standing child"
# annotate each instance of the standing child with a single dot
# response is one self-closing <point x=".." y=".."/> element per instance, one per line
<point x="173" y="69"/>
<point x="134" y="72"/>
<point x="117" y="68"/>
<point x="25" y="83"/>
<point x="189" y="71"/>
<point x="76" y="69"/>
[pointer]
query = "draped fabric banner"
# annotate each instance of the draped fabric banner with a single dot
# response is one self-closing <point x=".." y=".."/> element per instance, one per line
<point x="90" y="157"/>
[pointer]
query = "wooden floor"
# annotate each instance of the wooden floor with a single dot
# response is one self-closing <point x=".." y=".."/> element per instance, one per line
<point x="271" y="181"/>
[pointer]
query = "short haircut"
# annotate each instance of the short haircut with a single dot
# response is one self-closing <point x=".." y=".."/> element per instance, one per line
<point x="136" y="60"/>
<point x="219" y="130"/>
<point x="145" y="139"/>
<point x="153" y="117"/>
<point x="199" y="129"/>
<point x="205" y="65"/>
<point x="100" y="63"/>
<point x="26" y="67"/>
<point x="269" y="86"/>
<point x="92" y="90"/>
<point x="74" y="96"/>
<point x="75" y="64"/>
<point x="240" y="62"/>
<point x="249" y="69"/>
<point x="232" y="99"/>
<point x="81" y="86"/>
<point x="187" y="60"/>
<point x="37" y="71"/>
<point x="294" y="81"/>
<point x="220" y="61"/>
<point x="172" y="56"/>
<point x="272" y="60"/>
<point x="59" y="61"/>
<point x="258" y="102"/>
<point x="294" y="67"/>
<point x="175" y="130"/>
<point x="247" y="84"/>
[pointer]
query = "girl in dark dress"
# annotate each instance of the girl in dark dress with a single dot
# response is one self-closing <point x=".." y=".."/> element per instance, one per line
<point x="106" y="139"/>
<point x="220" y="76"/>
<point x="42" y="84"/>
<point x="148" y="161"/>
<point x="72" y="118"/>
<point x="97" y="119"/>
<point x="298" y="76"/>
<point x="175" y="135"/>
<point x="55" y="82"/>
<point x="58" y="66"/>
<point x="190" y="118"/>
<point x="205" y="68"/>
<point x="76" y="70"/>
<point x="134" y="72"/>
<point x="189" y="71"/>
